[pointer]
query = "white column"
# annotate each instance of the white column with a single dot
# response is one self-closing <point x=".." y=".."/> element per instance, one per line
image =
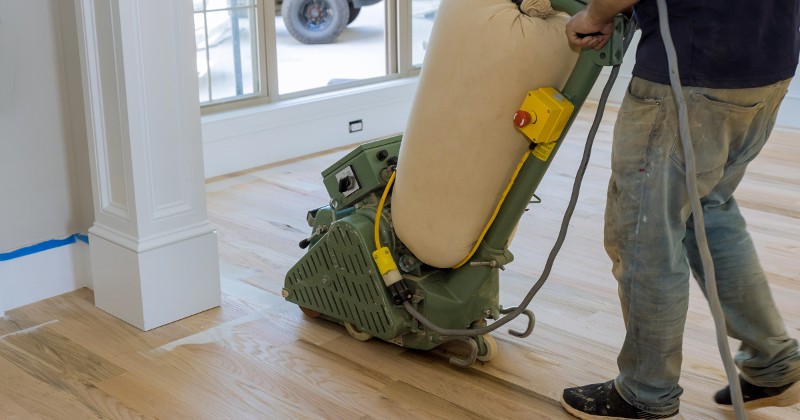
<point x="154" y="254"/>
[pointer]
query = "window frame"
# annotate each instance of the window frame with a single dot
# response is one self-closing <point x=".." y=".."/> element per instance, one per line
<point x="398" y="40"/>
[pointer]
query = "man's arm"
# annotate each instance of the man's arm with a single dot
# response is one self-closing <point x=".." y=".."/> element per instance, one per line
<point x="593" y="26"/>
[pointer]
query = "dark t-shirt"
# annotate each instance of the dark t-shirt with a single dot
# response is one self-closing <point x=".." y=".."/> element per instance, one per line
<point x="721" y="44"/>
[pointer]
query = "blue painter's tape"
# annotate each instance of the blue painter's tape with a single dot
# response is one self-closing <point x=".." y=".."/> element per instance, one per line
<point x="44" y="246"/>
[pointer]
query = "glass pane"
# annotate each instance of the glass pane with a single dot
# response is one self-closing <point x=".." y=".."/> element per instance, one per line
<point x="316" y="46"/>
<point x="422" y="14"/>
<point x="226" y="62"/>
<point x="223" y="4"/>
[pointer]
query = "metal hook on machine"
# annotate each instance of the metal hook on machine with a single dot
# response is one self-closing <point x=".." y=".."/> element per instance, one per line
<point x="531" y="321"/>
<point x="473" y="352"/>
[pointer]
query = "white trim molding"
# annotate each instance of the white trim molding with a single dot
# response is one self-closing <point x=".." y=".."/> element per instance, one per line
<point x="153" y="252"/>
<point x="46" y="274"/>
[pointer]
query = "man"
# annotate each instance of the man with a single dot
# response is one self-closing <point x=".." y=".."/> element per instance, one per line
<point x="736" y="59"/>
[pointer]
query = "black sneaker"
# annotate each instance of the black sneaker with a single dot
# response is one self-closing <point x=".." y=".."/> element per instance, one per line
<point x="755" y="396"/>
<point x="602" y="401"/>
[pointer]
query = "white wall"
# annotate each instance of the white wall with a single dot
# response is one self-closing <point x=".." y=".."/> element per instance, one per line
<point x="39" y="188"/>
<point x="789" y="115"/>
<point x="44" y="192"/>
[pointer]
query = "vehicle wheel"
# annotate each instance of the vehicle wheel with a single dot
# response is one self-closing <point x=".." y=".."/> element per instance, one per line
<point x="354" y="11"/>
<point x="315" y="21"/>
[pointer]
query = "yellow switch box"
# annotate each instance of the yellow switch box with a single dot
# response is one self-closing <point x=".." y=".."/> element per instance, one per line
<point x="543" y="115"/>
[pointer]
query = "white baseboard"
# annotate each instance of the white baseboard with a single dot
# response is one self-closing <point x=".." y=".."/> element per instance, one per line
<point x="43" y="275"/>
<point x="158" y="286"/>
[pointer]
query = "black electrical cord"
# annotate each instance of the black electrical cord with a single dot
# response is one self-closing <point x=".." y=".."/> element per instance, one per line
<point x="697" y="212"/>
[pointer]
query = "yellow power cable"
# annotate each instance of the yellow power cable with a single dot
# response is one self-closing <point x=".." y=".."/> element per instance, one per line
<point x="382" y="202"/>
<point x="496" y="209"/>
<point x="380" y="210"/>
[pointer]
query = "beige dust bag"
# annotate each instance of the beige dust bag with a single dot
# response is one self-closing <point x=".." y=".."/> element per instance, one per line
<point x="460" y="147"/>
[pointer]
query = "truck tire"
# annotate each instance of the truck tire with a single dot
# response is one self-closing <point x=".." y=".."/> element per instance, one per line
<point x="315" y="21"/>
<point x="354" y="11"/>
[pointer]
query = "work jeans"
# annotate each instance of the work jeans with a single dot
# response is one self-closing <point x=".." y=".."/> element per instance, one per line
<point x="650" y="237"/>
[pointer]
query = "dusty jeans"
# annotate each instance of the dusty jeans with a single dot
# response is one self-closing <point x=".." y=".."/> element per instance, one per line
<point x="650" y="238"/>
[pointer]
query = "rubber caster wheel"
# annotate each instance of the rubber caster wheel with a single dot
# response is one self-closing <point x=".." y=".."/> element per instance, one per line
<point x="309" y="313"/>
<point x="491" y="348"/>
<point x="356" y="333"/>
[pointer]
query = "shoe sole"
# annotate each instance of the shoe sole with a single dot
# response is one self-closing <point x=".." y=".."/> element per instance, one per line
<point x="787" y="398"/>
<point x="584" y="416"/>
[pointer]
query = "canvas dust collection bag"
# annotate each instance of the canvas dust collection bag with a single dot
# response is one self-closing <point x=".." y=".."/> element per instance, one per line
<point x="460" y="147"/>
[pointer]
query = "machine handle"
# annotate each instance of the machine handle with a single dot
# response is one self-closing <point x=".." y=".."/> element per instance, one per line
<point x="569" y="7"/>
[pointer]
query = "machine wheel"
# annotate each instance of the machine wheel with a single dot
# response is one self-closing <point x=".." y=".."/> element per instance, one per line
<point x="356" y="333"/>
<point x="491" y="348"/>
<point x="309" y="313"/>
<point x="354" y="11"/>
<point x="315" y="21"/>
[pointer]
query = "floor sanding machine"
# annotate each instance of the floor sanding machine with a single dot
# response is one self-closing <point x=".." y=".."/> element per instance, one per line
<point x="358" y="273"/>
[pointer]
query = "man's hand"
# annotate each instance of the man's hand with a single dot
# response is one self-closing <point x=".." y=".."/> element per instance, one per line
<point x="593" y="26"/>
<point x="583" y="32"/>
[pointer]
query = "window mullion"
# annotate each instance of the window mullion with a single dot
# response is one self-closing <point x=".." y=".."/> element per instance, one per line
<point x="392" y="37"/>
<point x="207" y="49"/>
<point x="269" y="51"/>
<point x="404" y="38"/>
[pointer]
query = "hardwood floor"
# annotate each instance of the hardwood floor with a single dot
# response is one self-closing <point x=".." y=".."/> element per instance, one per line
<point x="259" y="357"/>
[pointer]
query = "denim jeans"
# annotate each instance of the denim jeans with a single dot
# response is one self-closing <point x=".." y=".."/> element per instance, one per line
<point x="649" y="236"/>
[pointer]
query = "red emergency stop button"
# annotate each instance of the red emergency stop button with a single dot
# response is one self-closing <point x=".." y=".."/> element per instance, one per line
<point x="522" y="119"/>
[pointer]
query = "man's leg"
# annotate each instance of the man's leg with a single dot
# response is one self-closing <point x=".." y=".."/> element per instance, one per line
<point x="646" y="214"/>
<point x="645" y="223"/>
<point x="646" y="217"/>
<point x="767" y="357"/>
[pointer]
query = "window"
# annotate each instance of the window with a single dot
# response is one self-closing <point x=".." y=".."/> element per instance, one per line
<point x="264" y="50"/>
<point x="226" y="49"/>
<point x="358" y="53"/>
